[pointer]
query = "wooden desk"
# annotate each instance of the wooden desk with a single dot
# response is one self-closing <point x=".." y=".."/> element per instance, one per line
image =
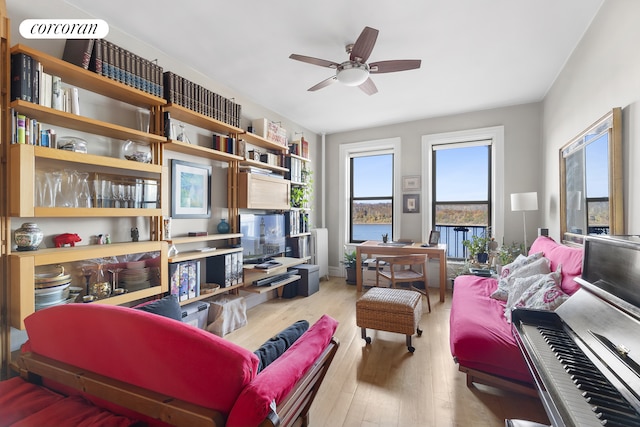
<point x="373" y="247"/>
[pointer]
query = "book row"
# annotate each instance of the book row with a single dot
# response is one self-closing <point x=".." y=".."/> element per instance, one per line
<point x="225" y="270"/>
<point x="29" y="82"/>
<point x="117" y="63"/>
<point x="296" y="170"/>
<point x="300" y="148"/>
<point x="180" y="91"/>
<point x="297" y="222"/>
<point x="25" y="130"/>
<point x="184" y="279"/>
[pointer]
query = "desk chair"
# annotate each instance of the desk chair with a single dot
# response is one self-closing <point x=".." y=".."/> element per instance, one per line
<point x="405" y="272"/>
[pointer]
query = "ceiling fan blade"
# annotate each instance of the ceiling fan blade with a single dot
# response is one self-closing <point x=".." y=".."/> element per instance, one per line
<point x="369" y="87"/>
<point x="314" y="61"/>
<point x="393" y="66"/>
<point x="323" y="83"/>
<point x="364" y="45"/>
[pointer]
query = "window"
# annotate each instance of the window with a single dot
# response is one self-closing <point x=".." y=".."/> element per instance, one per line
<point x="461" y="202"/>
<point x="371" y="197"/>
<point x="464" y="172"/>
<point x="369" y="179"/>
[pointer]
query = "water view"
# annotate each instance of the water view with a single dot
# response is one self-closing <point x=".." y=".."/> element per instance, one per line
<point x="371" y="231"/>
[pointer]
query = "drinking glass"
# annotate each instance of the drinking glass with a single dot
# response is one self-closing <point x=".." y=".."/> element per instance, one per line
<point x="83" y="194"/>
<point x="40" y="188"/>
<point x="66" y="190"/>
<point x="53" y="180"/>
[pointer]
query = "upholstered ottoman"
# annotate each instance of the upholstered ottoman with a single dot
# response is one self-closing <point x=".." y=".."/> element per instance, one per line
<point x="391" y="310"/>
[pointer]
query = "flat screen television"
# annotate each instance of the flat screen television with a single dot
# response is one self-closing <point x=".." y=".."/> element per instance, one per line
<point x="263" y="236"/>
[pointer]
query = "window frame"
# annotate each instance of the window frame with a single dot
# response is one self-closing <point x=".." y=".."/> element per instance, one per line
<point x="496" y="135"/>
<point x="366" y="148"/>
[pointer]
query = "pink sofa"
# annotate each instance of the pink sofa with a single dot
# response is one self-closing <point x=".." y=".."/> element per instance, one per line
<point x="168" y="372"/>
<point x="480" y="336"/>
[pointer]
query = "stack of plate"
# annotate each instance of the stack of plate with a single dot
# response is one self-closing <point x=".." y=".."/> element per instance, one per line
<point x="134" y="279"/>
<point x="51" y="288"/>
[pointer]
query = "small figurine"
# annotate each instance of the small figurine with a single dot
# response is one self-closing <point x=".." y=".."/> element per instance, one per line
<point x="66" y="239"/>
<point x="135" y="235"/>
<point x="107" y="239"/>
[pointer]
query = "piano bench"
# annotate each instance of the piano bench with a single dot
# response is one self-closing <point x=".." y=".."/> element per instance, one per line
<point x="391" y="310"/>
<point x="522" y="423"/>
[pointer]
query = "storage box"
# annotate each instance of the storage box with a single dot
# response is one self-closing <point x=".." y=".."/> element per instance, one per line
<point x="226" y="314"/>
<point x="196" y="314"/>
<point x="309" y="282"/>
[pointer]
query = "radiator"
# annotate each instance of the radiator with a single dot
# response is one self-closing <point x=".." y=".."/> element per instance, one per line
<point x="320" y="250"/>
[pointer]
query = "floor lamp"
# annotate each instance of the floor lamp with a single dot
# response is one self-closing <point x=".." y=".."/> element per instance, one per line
<point x="524" y="202"/>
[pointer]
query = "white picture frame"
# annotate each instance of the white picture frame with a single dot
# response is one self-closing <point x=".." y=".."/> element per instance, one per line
<point x="411" y="183"/>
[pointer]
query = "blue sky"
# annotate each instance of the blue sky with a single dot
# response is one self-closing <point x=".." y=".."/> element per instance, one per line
<point x="459" y="171"/>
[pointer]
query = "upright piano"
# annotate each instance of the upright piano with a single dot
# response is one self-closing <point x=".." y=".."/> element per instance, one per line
<point x="585" y="356"/>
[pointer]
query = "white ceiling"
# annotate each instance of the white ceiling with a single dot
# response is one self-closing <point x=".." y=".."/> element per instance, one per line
<point x="476" y="54"/>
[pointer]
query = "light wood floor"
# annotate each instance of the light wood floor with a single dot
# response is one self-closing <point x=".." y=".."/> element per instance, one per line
<point x="382" y="384"/>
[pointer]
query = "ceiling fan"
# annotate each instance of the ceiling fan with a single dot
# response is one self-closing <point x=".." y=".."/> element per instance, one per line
<point x="355" y="71"/>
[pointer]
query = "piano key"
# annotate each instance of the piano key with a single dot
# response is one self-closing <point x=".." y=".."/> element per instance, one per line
<point x="610" y="404"/>
<point x="608" y="418"/>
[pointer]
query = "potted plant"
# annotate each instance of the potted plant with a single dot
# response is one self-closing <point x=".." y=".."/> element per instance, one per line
<point x="349" y="262"/>
<point x="477" y="248"/>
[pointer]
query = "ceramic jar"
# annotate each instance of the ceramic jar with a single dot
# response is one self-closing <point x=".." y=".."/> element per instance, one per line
<point x="223" y="226"/>
<point x="28" y="237"/>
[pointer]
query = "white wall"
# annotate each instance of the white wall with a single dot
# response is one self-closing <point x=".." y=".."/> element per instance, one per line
<point x="602" y="73"/>
<point x="522" y="124"/>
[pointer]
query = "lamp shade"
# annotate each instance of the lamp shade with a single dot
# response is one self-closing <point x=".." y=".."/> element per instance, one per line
<point x="524" y="201"/>
<point x="352" y="74"/>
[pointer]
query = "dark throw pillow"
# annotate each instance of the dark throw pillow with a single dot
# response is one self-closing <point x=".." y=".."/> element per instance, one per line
<point x="167" y="307"/>
<point x="279" y="343"/>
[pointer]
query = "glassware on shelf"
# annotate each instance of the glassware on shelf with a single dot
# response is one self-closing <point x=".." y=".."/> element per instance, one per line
<point x="66" y="197"/>
<point x="99" y="286"/>
<point x="52" y="188"/>
<point x="182" y="135"/>
<point x="115" y="284"/>
<point x="72" y="143"/>
<point x="136" y="151"/>
<point x="83" y="194"/>
<point x="40" y="188"/>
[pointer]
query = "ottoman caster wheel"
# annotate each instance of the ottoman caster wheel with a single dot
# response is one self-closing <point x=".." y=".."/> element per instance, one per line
<point x="367" y="340"/>
<point x="419" y="332"/>
<point x="411" y="349"/>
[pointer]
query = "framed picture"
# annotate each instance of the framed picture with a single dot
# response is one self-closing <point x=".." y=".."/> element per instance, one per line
<point x="190" y="190"/>
<point x="411" y="183"/>
<point x="411" y="203"/>
<point x="434" y="238"/>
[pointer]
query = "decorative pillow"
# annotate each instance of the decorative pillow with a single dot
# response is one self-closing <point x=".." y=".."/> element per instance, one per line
<point x="549" y="297"/>
<point x="167" y="307"/>
<point x="525" y="287"/>
<point x="521" y="267"/>
<point x="279" y="343"/>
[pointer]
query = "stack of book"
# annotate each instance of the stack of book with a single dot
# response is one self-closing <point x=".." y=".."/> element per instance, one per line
<point x="297" y="222"/>
<point x="112" y="61"/>
<point x="300" y="148"/>
<point x="295" y="167"/>
<point x="29" y="82"/>
<point x="25" y="130"/>
<point x="224" y="143"/>
<point x="184" y="279"/>
<point x="180" y="91"/>
<point x="225" y="270"/>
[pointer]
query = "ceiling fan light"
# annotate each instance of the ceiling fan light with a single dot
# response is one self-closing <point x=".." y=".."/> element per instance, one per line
<point x="352" y="74"/>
